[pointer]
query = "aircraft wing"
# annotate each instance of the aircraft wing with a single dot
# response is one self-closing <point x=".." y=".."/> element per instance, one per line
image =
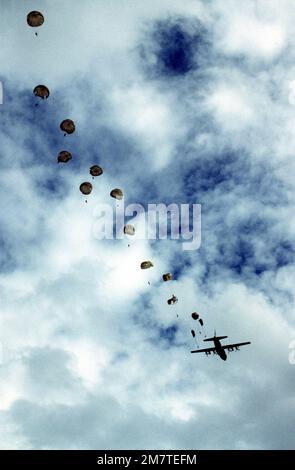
<point x="228" y="346"/>
<point x="203" y="350"/>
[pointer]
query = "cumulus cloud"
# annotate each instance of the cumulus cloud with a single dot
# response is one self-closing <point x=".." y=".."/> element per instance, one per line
<point x="184" y="102"/>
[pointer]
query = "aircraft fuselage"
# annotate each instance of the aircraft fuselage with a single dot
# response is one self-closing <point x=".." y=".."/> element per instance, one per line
<point x="219" y="349"/>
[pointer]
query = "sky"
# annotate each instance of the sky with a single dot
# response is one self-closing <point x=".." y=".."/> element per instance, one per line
<point x="179" y="102"/>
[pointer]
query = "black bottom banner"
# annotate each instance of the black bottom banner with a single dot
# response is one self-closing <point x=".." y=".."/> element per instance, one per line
<point x="140" y="458"/>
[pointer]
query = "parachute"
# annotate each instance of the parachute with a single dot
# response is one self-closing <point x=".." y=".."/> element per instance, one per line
<point x="41" y="91"/>
<point x="173" y="300"/>
<point x="129" y="229"/>
<point x="86" y="188"/>
<point x="195" y="316"/>
<point x="117" y="194"/>
<point x="64" y="156"/>
<point x="167" y="277"/>
<point x="96" y="170"/>
<point x="146" y="265"/>
<point x="68" y="126"/>
<point x="35" y="19"/>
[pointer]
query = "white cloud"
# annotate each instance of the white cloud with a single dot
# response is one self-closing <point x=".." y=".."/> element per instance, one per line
<point x="254" y="38"/>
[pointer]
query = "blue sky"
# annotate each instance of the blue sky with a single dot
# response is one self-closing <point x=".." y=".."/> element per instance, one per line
<point x="184" y="102"/>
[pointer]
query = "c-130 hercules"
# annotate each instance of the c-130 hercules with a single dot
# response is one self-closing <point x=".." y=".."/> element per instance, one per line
<point x="219" y="348"/>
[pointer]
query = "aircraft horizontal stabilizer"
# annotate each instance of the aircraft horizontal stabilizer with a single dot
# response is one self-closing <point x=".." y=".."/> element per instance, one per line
<point x="215" y="337"/>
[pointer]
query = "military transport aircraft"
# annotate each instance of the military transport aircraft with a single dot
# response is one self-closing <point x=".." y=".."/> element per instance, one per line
<point x="219" y="348"/>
